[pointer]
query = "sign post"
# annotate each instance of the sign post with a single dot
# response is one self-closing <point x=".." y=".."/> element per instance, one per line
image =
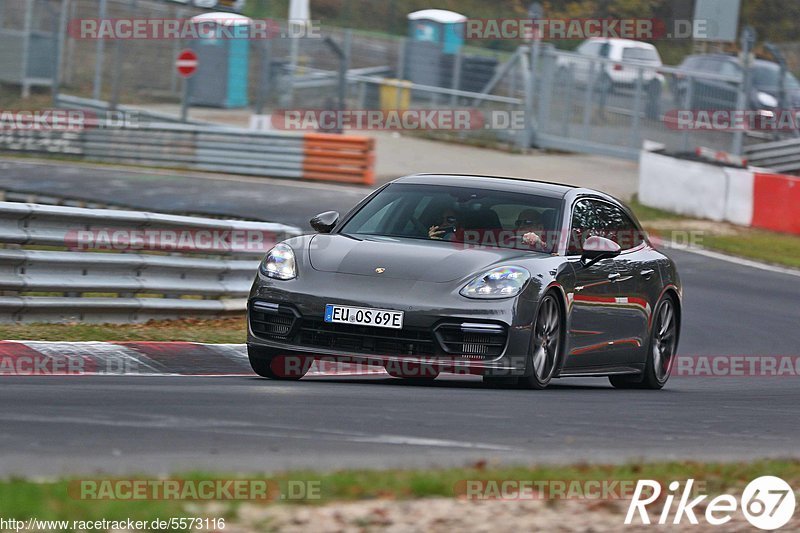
<point x="186" y="65"/>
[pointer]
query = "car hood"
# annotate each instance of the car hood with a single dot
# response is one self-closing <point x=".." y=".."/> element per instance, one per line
<point x="401" y="258"/>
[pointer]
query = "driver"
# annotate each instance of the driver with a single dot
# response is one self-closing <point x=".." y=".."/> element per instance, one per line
<point x="447" y="227"/>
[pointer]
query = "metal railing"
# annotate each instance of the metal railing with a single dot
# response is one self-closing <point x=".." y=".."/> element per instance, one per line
<point x="101" y="265"/>
<point x="779" y="156"/>
<point x="325" y="157"/>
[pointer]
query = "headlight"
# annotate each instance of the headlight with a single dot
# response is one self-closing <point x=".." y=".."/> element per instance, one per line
<point x="766" y="99"/>
<point x="279" y="263"/>
<point x="500" y="282"/>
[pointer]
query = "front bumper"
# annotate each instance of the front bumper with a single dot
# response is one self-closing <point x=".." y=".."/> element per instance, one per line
<point x="441" y="329"/>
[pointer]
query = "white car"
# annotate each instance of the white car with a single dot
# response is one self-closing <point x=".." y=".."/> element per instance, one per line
<point x="231" y="5"/>
<point x="628" y="57"/>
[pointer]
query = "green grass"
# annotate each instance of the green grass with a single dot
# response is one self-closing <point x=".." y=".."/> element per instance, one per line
<point x="225" y="330"/>
<point x="51" y="500"/>
<point x="760" y="245"/>
<point x="765" y="246"/>
<point x="648" y="214"/>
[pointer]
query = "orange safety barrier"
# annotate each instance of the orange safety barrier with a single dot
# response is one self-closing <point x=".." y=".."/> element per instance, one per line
<point x="340" y="158"/>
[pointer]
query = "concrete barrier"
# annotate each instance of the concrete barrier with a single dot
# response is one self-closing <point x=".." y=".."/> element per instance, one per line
<point x="747" y="197"/>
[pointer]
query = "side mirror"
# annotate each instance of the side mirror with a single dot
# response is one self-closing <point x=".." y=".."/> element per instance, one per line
<point x="597" y="248"/>
<point x="325" y="222"/>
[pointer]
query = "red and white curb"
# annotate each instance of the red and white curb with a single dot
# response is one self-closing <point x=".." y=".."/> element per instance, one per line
<point x="39" y="358"/>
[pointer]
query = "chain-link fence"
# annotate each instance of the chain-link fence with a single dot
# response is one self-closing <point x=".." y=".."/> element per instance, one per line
<point x="570" y="101"/>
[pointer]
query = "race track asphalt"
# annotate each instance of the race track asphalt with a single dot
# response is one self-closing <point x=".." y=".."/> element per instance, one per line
<point x="51" y="425"/>
<point x="78" y="424"/>
<point x="272" y="200"/>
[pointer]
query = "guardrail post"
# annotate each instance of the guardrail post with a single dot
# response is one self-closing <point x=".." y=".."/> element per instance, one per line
<point x="99" y="55"/>
<point x="748" y="40"/>
<point x="687" y="104"/>
<point x="637" y="109"/>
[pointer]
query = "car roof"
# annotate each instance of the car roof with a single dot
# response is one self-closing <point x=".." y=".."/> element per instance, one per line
<point x="720" y="57"/>
<point x="767" y="63"/>
<point x="630" y="43"/>
<point x="733" y="59"/>
<point x="503" y="183"/>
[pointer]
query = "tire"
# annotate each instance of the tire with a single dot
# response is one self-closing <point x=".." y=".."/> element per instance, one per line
<point x="547" y="337"/>
<point x="661" y="349"/>
<point x="264" y="362"/>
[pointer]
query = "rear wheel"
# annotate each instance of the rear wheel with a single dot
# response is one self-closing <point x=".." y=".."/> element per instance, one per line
<point x="661" y="350"/>
<point x="545" y="351"/>
<point x="269" y="364"/>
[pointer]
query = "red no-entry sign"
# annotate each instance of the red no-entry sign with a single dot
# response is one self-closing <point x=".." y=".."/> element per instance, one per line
<point x="186" y="63"/>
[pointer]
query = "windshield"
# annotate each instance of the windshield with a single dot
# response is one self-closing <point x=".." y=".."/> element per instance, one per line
<point x="472" y="216"/>
<point x="767" y="77"/>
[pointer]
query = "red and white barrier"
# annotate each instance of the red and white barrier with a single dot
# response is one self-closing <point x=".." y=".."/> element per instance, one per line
<point x="747" y="197"/>
<point x="776" y="202"/>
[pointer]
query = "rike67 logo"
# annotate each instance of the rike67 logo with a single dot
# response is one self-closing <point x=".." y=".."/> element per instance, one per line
<point x="767" y="502"/>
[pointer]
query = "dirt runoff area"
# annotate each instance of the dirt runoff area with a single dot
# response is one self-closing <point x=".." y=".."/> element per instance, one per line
<point x="446" y="515"/>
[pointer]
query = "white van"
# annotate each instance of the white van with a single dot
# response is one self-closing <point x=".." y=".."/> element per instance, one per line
<point x="627" y="55"/>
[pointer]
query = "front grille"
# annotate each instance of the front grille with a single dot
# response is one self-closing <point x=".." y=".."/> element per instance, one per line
<point x="462" y="340"/>
<point x="472" y="341"/>
<point x="350" y="338"/>
<point x="272" y="321"/>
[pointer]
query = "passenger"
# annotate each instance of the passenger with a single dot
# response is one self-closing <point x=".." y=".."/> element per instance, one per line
<point x="529" y="227"/>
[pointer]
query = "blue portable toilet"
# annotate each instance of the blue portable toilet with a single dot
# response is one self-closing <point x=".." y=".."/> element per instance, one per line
<point x="440" y="26"/>
<point x="222" y="49"/>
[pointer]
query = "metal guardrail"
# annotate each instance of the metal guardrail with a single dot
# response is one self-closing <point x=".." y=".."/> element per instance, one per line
<point x="779" y="156"/>
<point x="68" y="101"/>
<point x="124" y="266"/>
<point x="317" y="156"/>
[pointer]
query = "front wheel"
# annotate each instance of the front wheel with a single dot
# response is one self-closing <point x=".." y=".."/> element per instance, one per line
<point x="545" y="351"/>
<point x="661" y="350"/>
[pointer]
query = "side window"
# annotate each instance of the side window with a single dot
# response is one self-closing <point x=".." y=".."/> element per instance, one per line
<point x="618" y="227"/>
<point x="600" y="219"/>
<point x="585" y="223"/>
<point x="589" y="49"/>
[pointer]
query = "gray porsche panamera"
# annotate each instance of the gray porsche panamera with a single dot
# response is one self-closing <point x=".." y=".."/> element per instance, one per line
<point x="515" y="280"/>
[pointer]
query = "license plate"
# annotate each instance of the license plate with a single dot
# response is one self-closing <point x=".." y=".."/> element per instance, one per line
<point x="363" y="316"/>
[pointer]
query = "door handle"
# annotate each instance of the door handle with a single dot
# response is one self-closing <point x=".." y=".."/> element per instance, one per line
<point x="646" y="274"/>
<point x="614" y="277"/>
